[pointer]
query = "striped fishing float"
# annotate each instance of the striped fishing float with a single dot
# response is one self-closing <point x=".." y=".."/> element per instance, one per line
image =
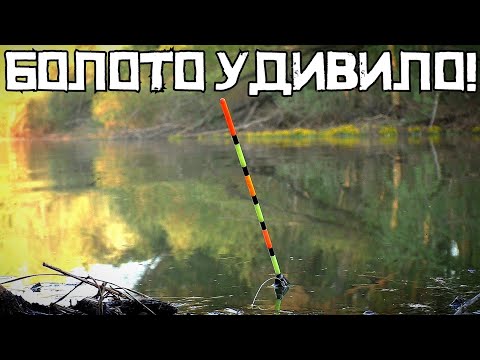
<point x="280" y="279"/>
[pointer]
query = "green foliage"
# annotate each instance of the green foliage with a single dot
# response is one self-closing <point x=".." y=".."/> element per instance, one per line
<point x="34" y="117"/>
<point x="388" y="131"/>
<point x="414" y="130"/>
<point x="345" y="130"/>
<point x="434" y="130"/>
<point x="311" y="104"/>
<point x="66" y="111"/>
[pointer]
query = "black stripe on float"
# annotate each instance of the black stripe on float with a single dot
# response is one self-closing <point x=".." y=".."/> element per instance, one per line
<point x="235" y="139"/>
<point x="272" y="253"/>
<point x="245" y="171"/>
<point x="262" y="224"/>
<point x="255" y="200"/>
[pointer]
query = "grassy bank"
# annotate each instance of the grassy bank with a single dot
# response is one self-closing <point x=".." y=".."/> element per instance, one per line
<point x="346" y="135"/>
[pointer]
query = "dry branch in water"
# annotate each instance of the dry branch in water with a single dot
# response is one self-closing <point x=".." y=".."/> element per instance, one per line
<point x="85" y="280"/>
<point x="107" y="301"/>
<point x="466" y="304"/>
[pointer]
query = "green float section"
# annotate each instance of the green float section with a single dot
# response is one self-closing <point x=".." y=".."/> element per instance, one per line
<point x="275" y="265"/>
<point x="238" y="148"/>
<point x="259" y="212"/>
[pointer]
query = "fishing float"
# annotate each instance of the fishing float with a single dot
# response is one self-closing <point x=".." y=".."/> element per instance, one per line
<point x="280" y="280"/>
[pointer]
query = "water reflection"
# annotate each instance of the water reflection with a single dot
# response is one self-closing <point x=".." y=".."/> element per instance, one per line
<point x="357" y="226"/>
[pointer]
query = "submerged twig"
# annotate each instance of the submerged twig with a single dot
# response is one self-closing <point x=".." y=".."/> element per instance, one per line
<point x="65" y="310"/>
<point x="100" y="298"/>
<point x="64" y="296"/>
<point x="467" y="304"/>
<point x="100" y="292"/>
<point x="29" y="276"/>
<point x="136" y="300"/>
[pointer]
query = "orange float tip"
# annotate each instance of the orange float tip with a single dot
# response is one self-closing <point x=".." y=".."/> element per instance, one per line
<point x="228" y="117"/>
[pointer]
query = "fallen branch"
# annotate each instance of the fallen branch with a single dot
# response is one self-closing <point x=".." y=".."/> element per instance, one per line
<point x="239" y="127"/>
<point x="145" y="133"/>
<point x="121" y="301"/>
<point x="466" y="304"/>
<point x="376" y="117"/>
<point x="123" y="288"/>
<point x="86" y="281"/>
<point x="102" y="288"/>
<point x="64" y="296"/>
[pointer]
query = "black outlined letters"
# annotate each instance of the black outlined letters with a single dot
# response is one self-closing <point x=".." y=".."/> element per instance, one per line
<point x="330" y="70"/>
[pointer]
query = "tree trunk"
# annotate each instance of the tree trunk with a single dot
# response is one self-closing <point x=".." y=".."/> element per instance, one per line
<point x="395" y="95"/>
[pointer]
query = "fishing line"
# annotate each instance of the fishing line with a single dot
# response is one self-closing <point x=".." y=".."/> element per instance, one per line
<point x="253" y="302"/>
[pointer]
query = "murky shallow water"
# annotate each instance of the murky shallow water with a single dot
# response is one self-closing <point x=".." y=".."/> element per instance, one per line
<point x="359" y="226"/>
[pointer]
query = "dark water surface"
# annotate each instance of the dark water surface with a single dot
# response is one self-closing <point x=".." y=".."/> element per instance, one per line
<point x="389" y="226"/>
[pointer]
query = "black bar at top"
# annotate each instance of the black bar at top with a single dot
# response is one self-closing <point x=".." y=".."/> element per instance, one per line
<point x="262" y="224"/>
<point x="235" y="139"/>
<point x="255" y="200"/>
<point x="272" y="253"/>
<point x="245" y="171"/>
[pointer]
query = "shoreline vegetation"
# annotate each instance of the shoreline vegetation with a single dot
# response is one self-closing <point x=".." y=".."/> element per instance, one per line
<point x="307" y="114"/>
<point x="352" y="132"/>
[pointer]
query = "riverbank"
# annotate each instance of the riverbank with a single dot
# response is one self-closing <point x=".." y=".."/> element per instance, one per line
<point x="110" y="299"/>
<point x="380" y="127"/>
